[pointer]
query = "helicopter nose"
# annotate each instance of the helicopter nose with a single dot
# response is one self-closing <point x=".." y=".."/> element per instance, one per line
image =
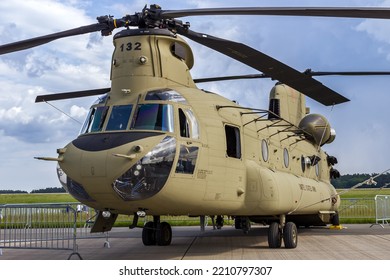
<point x="134" y="175"/>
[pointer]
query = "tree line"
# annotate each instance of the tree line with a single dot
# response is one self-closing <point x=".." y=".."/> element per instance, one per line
<point x="348" y="181"/>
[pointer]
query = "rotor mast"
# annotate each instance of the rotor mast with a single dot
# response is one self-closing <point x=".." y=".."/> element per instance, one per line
<point x="149" y="58"/>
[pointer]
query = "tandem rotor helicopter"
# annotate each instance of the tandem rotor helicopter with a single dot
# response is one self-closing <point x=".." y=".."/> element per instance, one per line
<point x="156" y="144"/>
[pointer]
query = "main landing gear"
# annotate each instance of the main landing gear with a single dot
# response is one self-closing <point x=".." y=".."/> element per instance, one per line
<point x="282" y="230"/>
<point x="157" y="233"/>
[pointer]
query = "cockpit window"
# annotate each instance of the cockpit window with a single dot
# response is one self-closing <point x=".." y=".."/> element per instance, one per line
<point x="194" y="123"/>
<point x="184" y="125"/>
<point x="189" y="127"/>
<point x="101" y="99"/>
<point x="95" y="119"/>
<point x="119" y="117"/>
<point x="165" y="95"/>
<point x="154" y="117"/>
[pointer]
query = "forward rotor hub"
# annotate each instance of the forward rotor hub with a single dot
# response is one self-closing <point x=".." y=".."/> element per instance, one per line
<point x="148" y="18"/>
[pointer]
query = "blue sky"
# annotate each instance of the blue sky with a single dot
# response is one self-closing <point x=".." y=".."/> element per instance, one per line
<point x="83" y="62"/>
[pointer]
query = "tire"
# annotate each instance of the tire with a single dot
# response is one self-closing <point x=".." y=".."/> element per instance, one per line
<point x="149" y="234"/>
<point x="237" y="222"/>
<point x="164" y="234"/>
<point x="274" y="236"/>
<point x="290" y="235"/>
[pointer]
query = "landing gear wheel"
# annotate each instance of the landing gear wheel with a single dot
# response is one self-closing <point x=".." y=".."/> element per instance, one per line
<point x="219" y="222"/>
<point x="149" y="234"/>
<point x="164" y="234"/>
<point x="245" y="225"/>
<point x="274" y="235"/>
<point x="290" y="235"/>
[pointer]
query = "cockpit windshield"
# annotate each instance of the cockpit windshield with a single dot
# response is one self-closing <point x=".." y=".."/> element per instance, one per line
<point x="119" y="117"/>
<point x="95" y="120"/>
<point x="153" y="114"/>
<point x="154" y="117"/>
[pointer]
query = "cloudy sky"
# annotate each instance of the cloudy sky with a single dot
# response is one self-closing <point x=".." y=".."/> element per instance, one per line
<point x="83" y="62"/>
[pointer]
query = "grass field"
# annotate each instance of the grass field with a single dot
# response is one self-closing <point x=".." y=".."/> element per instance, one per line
<point x="357" y="206"/>
<point x="63" y="197"/>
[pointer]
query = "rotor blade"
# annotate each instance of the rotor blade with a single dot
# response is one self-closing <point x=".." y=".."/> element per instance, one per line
<point x="356" y="12"/>
<point x="269" y="66"/>
<point x="347" y="73"/>
<point x="307" y="72"/>
<point x="33" y="42"/>
<point x="69" y="95"/>
<point x="226" y="78"/>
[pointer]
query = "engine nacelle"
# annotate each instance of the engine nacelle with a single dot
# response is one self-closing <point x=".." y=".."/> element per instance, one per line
<point x="317" y="128"/>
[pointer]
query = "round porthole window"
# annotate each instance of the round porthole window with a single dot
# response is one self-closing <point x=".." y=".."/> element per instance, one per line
<point x="264" y="150"/>
<point x="286" y="158"/>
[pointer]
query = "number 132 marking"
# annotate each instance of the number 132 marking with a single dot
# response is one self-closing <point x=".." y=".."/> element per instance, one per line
<point x="131" y="47"/>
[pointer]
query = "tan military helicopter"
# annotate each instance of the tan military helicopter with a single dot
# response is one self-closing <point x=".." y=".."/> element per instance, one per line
<point x="155" y="144"/>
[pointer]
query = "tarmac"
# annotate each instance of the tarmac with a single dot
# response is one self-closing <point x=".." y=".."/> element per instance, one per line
<point x="353" y="242"/>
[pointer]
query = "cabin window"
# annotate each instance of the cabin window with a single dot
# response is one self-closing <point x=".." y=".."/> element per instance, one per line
<point x="95" y="119"/>
<point x="119" y="117"/>
<point x="189" y="127"/>
<point x="233" y="141"/>
<point x="154" y="117"/>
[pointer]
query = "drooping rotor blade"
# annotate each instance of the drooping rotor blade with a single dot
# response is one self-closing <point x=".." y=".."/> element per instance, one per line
<point x="106" y="24"/>
<point x="227" y="78"/>
<point x="356" y="12"/>
<point x="347" y="73"/>
<point x="73" y="94"/>
<point x="33" y="42"/>
<point x="308" y="72"/>
<point x="269" y="66"/>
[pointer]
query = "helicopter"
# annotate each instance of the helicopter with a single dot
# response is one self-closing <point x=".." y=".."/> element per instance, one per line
<point x="154" y="143"/>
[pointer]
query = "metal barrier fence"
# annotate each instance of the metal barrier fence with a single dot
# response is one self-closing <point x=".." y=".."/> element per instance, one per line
<point x="59" y="226"/>
<point x="357" y="210"/>
<point x="365" y="210"/>
<point x="382" y="209"/>
<point x="46" y="226"/>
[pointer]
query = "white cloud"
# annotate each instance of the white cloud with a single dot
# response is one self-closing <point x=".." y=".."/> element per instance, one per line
<point x="37" y="18"/>
<point x="78" y="112"/>
<point x="15" y="115"/>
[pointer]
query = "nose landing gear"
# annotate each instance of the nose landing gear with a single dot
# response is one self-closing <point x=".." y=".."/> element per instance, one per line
<point x="157" y="233"/>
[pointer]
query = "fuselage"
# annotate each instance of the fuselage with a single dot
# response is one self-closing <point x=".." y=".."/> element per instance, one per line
<point x="159" y="144"/>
